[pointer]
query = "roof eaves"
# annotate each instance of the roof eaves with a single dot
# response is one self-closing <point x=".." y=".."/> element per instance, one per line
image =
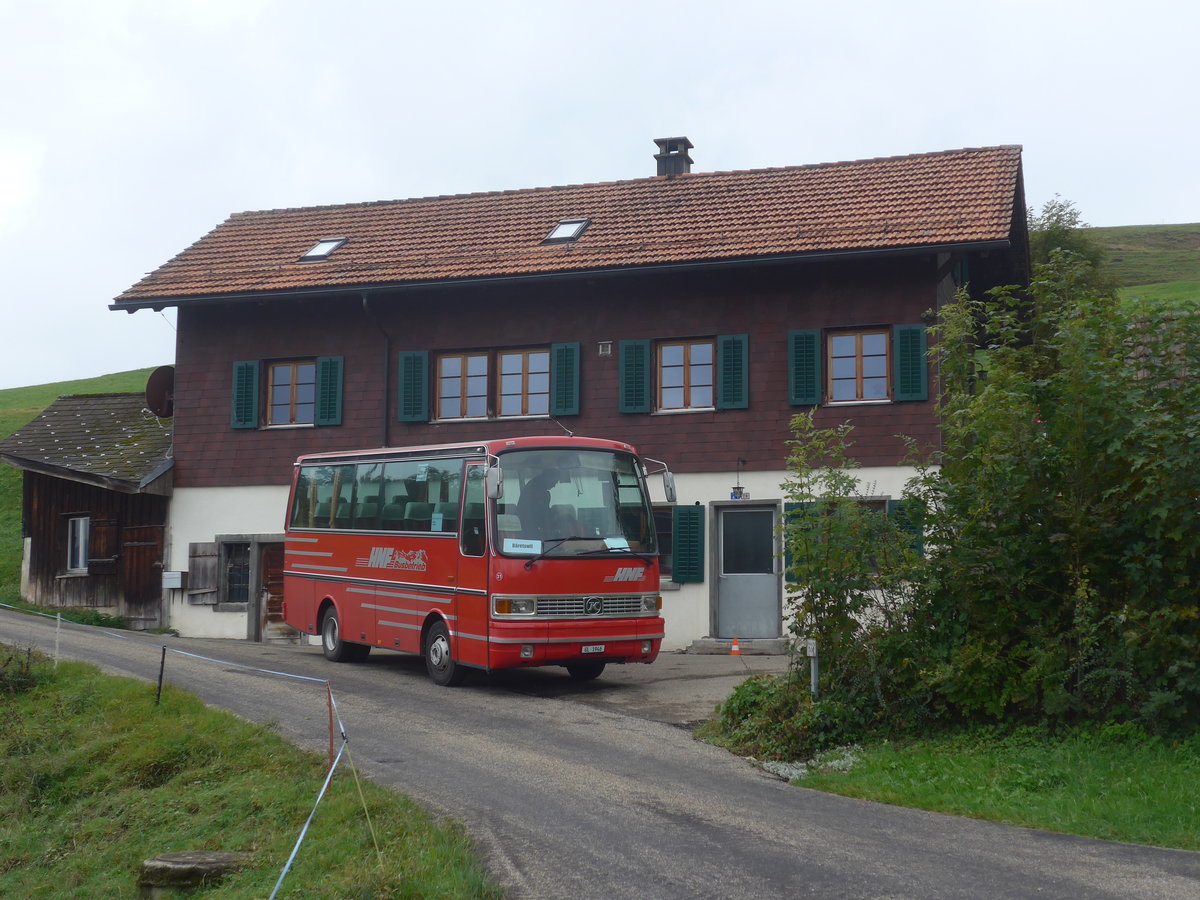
<point x="158" y="303"/>
<point x="107" y="482"/>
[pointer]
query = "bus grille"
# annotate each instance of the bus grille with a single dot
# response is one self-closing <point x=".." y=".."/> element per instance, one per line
<point x="575" y="607"/>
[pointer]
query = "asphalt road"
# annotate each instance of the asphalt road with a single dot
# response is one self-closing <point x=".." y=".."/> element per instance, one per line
<point x="571" y="796"/>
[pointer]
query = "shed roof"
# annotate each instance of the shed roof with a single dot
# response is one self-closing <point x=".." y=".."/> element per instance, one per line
<point x="109" y="440"/>
<point x="926" y="200"/>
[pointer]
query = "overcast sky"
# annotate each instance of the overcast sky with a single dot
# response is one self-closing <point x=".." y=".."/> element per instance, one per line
<point x="130" y="128"/>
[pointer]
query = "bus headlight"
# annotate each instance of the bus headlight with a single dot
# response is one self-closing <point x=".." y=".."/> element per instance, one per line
<point x="651" y="603"/>
<point x="516" y="606"/>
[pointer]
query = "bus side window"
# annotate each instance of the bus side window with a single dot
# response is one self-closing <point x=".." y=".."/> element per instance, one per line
<point x="471" y="535"/>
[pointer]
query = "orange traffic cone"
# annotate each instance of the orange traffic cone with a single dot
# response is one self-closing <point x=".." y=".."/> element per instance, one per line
<point x="734" y="649"/>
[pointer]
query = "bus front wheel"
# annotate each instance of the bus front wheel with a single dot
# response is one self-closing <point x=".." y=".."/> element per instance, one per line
<point x="439" y="661"/>
<point x="585" y="671"/>
<point x="333" y="646"/>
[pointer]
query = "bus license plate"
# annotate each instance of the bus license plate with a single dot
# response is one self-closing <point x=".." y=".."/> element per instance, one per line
<point x="593" y="648"/>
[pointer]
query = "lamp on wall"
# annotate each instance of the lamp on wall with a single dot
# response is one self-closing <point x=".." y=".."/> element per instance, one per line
<point x="737" y="492"/>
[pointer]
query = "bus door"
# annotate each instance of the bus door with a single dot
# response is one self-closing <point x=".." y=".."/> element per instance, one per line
<point x="472" y="577"/>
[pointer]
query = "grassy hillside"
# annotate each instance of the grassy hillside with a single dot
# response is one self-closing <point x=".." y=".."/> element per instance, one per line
<point x="1151" y="254"/>
<point x="19" y="406"/>
<point x="1160" y="263"/>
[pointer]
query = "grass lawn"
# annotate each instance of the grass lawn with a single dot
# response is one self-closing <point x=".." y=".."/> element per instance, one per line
<point x="98" y="778"/>
<point x="1112" y="783"/>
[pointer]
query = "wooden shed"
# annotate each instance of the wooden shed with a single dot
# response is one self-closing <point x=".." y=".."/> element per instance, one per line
<point x="96" y="489"/>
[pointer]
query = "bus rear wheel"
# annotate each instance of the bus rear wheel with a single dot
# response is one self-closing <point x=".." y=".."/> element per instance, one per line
<point x="439" y="660"/>
<point x="333" y="646"/>
<point x="585" y="671"/>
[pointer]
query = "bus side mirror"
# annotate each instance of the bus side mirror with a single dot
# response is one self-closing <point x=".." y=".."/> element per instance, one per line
<point x="495" y="483"/>
<point x="669" y="486"/>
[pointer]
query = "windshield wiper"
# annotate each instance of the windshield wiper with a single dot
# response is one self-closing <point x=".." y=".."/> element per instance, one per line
<point x="646" y="559"/>
<point x="549" y="544"/>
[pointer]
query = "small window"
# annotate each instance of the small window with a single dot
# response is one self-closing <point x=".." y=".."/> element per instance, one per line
<point x="525" y="383"/>
<point x="322" y="249"/>
<point x="462" y="389"/>
<point x="685" y="375"/>
<point x="293" y="393"/>
<point x="567" y="230"/>
<point x="664" y="528"/>
<point x="78" y="529"/>
<point x="859" y="366"/>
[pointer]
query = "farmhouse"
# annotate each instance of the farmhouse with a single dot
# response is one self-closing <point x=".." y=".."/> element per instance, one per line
<point x="690" y="314"/>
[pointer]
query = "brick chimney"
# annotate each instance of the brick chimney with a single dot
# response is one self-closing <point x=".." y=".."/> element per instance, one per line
<point x="672" y="156"/>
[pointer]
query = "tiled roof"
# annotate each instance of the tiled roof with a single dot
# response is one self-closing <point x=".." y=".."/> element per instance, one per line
<point x="108" y="439"/>
<point x="952" y="197"/>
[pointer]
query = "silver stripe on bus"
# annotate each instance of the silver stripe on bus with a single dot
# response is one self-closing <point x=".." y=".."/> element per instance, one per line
<point x="352" y="579"/>
<point x="307" y="553"/>
<point x="380" y="592"/>
<point x="321" y="568"/>
<point x="403" y="612"/>
<point x="469" y="637"/>
<point x="291" y="539"/>
<point x="399" y="625"/>
<point x="584" y="639"/>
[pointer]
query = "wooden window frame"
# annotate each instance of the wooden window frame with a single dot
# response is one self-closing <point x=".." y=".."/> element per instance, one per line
<point x="885" y="334"/>
<point x="462" y="378"/>
<point x="687" y="387"/>
<point x="293" y="384"/>
<point x="525" y="393"/>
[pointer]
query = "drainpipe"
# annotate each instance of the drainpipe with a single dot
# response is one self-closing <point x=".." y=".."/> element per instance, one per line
<point x="387" y="362"/>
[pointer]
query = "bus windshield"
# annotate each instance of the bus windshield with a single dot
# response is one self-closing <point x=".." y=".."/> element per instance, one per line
<point x="572" y="503"/>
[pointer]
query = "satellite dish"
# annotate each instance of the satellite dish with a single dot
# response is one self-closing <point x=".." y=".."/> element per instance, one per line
<point x="160" y="392"/>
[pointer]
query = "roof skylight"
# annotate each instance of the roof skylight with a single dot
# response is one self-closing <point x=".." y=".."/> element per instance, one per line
<point x="566" y="230"/>
<point x="322" y="249"/>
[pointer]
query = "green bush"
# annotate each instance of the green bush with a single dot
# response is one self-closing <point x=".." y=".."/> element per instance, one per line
<point x="775" y="717"/>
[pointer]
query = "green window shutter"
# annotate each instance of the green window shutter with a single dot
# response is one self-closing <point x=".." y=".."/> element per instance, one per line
<point x="895" y="508"/>
<point x="910" y="369"/>
<point x="733" y="362"/>
<point x="329" y="390"/>
<point x="687" y="544"/>
<point x="413" y="398"/>
<point x="634" y="363"/>
<point x="564" y="379"/>
<point x="804" y="368"/>
<point x="244" y="409"/>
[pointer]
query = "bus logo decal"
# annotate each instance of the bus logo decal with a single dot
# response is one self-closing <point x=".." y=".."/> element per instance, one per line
<point x="629" y="574"/>
<point x="391" y="558"/>
<point x="593" y="606"/>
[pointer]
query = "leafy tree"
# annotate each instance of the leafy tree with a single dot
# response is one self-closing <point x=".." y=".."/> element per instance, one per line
<point x="1062" y="528"/>
<point x="1059" y="226"/>
<point x="1063" y="523"/>
<point x="849" y="568"/>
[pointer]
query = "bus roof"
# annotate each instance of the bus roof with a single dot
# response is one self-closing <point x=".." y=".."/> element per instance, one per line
<point x="470" y="448"/>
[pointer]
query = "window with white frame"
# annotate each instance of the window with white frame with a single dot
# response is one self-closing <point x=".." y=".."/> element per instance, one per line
<point x="78" y="531"/>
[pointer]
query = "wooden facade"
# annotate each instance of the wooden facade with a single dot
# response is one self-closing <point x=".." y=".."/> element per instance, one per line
<point x="597" y="314"/>
<point x="124" y="559"/>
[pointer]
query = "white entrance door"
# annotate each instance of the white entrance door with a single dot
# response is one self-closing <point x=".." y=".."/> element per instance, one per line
<point x="747" y="581"/>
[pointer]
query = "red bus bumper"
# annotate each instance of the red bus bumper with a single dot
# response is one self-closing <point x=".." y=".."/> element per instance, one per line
<point x="557" y="642"/>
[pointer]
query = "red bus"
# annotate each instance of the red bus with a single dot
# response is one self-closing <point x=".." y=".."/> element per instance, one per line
<point x="532" y="551"/>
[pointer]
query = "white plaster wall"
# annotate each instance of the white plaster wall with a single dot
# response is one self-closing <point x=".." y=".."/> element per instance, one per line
<point x="200" y="514"/>
<point x="192" y="620"/>
<point x="687" y="609"/>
